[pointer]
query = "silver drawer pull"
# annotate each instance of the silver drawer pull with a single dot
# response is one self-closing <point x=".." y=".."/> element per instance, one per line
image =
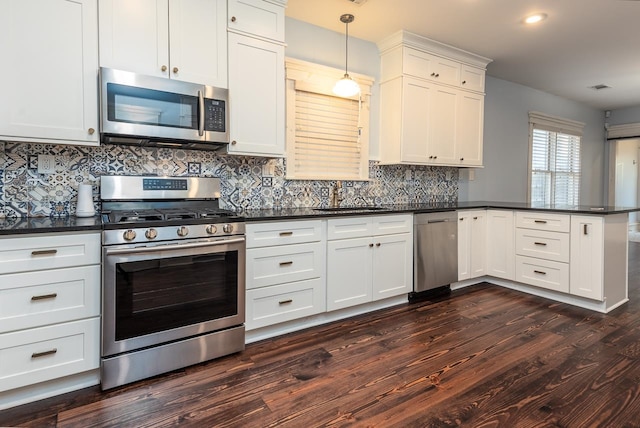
<point x="44" y="252"/>
<point x="286" y="233"/>
<point x="540" y="221"/>
<point x="544" y="244"/>
<point x="44" y="354"/>
<point x="44" y="296"/>
<point x="285" y="302"/>
<point x="286" y="263"/>
<point x="539" y="272"/>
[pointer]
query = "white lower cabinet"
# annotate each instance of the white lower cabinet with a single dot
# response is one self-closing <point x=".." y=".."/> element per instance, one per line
<point x="285" y="272"/>
<point x="500" y="244"/>
<point x="472" y="241"/>
<point x="368" y="258"/>
<point x="587" y="257"/>
<point x="49" y="307"/>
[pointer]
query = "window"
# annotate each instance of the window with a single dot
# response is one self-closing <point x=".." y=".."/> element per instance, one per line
<point x="554" y="160"/>
<point x="327" y="135"/>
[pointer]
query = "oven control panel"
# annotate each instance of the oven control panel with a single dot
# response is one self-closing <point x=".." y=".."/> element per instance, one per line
<point x="141" y="235"/>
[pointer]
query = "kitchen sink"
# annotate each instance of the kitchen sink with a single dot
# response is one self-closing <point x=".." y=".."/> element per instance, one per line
<point x="360" y="208"/>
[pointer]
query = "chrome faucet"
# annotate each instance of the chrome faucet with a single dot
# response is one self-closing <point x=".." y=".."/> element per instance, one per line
<point x="336" y="197"/>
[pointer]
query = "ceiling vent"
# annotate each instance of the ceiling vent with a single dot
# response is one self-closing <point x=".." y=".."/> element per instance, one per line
<point x="599" y="87"/>
<point x="358" y="2"/>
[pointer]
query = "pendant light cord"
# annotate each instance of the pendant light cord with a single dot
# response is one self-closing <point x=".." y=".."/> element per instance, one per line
<point x="346" y="49"/>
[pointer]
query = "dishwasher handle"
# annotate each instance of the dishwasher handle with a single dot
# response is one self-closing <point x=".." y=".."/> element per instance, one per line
<point x="439" y="220"/>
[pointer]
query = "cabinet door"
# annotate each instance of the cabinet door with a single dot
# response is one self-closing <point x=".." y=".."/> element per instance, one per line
<point x="478" y="243"/>
<point x="349" y="264"/>
<point x="256" y="92"/>
<point x="464" y="246"/>
<point x="49" y="81"/>
<point x="500" y="247"/>
<point x="587" y="257"/>
<point x="472" y="78"/>
<point x="392" y="265"/>
<point x="198" y="41"/>
<point x="442" y="125"/>
<point x="257" y="17"/>
<point x="134" y="36"/>
<point x="470" y="123"/>
<point x="416" y="105"/>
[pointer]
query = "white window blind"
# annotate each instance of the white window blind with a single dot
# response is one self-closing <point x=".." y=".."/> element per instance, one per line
<point x="555" y="161"/>
<point x="327" y="135"/>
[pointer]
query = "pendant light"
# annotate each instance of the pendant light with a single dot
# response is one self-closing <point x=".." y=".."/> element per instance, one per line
<point x="346" y="87"/>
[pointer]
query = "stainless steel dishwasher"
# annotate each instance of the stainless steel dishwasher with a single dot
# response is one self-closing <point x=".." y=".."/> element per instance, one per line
<point x="435" y="250"/>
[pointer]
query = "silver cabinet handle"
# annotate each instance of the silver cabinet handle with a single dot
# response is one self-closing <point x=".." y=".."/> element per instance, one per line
<point x="44" y="297"/>
<point x="44" y="252"/>
<point x="44" y="354"/>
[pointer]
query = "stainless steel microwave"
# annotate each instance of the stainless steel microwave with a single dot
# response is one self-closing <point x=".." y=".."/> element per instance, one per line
<point x="156" y="111"/>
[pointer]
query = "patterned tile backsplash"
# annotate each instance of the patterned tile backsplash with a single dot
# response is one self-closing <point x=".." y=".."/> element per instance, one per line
<point x="247" y="182"/>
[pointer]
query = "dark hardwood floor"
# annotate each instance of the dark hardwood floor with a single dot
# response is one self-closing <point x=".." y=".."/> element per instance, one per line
<point x="485" y="357"/>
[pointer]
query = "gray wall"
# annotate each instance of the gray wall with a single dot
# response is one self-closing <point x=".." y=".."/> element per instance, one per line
<point x="506" y="142"/>
<point x="321" y="46"/>
<point x="625" y="115"/>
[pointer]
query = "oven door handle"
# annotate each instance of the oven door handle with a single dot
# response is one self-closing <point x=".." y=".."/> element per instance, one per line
<point x="158" y="248"/>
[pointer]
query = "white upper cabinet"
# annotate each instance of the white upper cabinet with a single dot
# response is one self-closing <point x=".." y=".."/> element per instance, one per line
<point x="183" y="40"/>
<point x="49" y="78"/>
<point x="258" y="18"/>
<point x="435" y="114"/>
<point x="256" y="78"/>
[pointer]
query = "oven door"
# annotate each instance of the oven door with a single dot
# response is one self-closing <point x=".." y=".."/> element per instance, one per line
<point x="168" y="291"/>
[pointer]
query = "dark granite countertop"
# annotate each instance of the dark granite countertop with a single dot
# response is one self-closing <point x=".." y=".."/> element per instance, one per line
<point x="307" y="212"/>
<point x="15" y="226"/>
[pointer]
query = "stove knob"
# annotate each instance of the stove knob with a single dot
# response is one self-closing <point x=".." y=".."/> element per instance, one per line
<point x="151" y="233"/>
<point x="227" y="228"/>
<point x="211" y="229"/>
<point x="183" y="231"/>
<point x="129" y="235"/>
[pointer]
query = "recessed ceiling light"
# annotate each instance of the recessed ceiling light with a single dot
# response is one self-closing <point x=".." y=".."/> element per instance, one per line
<point x="535" y="18"/>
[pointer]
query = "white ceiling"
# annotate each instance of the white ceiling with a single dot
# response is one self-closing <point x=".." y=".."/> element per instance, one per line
<point x="582" y="43"/>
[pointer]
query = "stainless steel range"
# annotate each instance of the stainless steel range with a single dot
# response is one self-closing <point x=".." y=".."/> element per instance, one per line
<point x="173" y="276"/>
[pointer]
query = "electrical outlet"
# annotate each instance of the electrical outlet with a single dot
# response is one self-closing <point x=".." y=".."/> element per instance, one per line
<point x="407" y="175"/>
<point x="46" y="164"/>
<point x="268" y="169"/>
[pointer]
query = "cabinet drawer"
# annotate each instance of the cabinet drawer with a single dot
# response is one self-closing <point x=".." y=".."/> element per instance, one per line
<point x="40" y="354"/>
<point x="257" y="17"/>
<point x="432" y="67"/>
<point x="543" y="273"/>
<point x="38" y="252"/>
<point x="349" y="227"/>
<point x="472" y="78"/>
<point x="544" y="245"/>
<point x="392" y="224"/>
<point x="289" y="263"/>
<point x="286" y="302"/>
<point x="35" y="299"/>
<point x="283" y="233"/>
<point x="543" y="221"/>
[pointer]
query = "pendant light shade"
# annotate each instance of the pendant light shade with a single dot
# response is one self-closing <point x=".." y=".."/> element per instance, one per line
<point x="346" y="87"/>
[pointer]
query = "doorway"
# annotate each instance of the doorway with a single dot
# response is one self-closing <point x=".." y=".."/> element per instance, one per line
<point x="624" y="184"/>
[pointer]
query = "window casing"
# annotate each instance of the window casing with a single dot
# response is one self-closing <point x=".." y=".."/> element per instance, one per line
<point x="327" y="135"/>
<point x="554" y="160"/>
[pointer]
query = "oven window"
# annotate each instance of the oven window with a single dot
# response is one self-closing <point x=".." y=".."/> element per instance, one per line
<point x="161" y="294"/>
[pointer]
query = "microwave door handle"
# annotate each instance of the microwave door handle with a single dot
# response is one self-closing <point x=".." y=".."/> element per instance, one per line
<point x="200" y="113"/>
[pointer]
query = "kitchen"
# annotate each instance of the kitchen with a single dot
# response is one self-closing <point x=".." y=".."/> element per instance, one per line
<point x="247" y="186"/>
